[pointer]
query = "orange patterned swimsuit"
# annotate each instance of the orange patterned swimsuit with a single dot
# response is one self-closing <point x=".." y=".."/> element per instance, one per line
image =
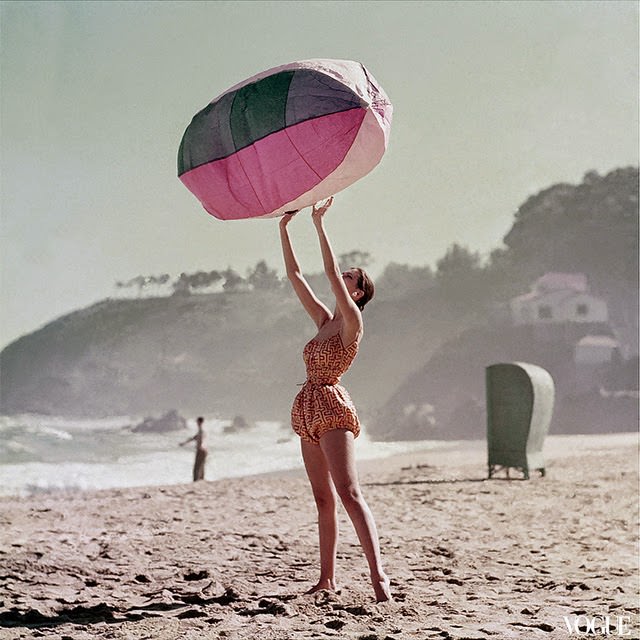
<point x="322" y="404"/>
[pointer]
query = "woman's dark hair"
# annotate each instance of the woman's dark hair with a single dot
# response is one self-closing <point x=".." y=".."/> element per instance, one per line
<point x="365" y="284"/>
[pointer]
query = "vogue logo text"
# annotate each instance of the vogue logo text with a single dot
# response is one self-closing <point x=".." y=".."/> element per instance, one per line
<point x="601" y="625"/>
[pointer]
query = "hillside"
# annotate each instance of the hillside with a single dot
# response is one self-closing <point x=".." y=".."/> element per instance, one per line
<point x="195" y="353"/>
<point x="445" y="399"/>
<point x="429" y="333"/>
<point x="222" y="354"/>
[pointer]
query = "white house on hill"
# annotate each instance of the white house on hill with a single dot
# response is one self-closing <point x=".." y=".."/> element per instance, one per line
<point x="558" y="298"/>
<point x="595" y="350"/>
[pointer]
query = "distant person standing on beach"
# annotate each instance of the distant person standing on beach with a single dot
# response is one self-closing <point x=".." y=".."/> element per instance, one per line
<point x="201" y="451"/>
<point x="323" y="414"/>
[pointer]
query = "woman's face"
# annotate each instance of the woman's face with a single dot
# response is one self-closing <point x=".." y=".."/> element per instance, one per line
<point x="351" y="279"/>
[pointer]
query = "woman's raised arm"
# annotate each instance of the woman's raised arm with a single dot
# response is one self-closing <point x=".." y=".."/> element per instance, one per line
<point x="351" y="316"/>
<point x="313" y="306"/>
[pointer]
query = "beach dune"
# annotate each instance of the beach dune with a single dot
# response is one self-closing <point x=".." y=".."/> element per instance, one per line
<point x="469" y="558"/>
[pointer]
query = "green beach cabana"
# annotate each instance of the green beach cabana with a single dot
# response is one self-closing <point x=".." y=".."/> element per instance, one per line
<point x="520" y="399"/>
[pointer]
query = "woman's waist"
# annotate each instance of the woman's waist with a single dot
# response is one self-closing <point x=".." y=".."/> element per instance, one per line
<point x="321" y="381"/>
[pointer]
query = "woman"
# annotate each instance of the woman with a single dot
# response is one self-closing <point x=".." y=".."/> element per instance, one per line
<point x="323" y="415"/>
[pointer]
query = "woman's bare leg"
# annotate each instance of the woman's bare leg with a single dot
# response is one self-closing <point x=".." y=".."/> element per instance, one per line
<point x="338" y="449"/>
<point x="325" y="497"/>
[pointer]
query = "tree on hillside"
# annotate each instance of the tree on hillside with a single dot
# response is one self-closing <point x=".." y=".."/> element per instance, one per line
<point x="264" y="279"/>
<point x="233" y="281"/>
<point x="202" y="279"/>
<point x="398" y="280"/>
<point x="181" y="285"/>
<point x="590" y="228"/>
<point x="460" y="278"/>
<point x="143" y="281"/>
<point x="505" y="279"/>
<point x="354" y="258"/>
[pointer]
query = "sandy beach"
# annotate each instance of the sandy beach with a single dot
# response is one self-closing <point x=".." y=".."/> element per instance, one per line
<point x="469" y="558"/>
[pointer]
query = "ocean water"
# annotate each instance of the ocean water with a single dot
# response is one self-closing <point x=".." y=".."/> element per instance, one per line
<point x="48" y="454"/>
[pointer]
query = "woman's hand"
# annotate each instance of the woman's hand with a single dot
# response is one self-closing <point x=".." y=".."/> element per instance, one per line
<point x="286" y="218"/>
<point x="318" y="211"/>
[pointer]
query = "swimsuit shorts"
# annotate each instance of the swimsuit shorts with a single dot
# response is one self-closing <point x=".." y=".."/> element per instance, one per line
<point x="319" y="408"/>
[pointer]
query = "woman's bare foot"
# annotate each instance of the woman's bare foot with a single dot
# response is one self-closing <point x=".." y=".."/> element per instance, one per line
<point x="323" y="585"/>
<point x="381" y="588"/>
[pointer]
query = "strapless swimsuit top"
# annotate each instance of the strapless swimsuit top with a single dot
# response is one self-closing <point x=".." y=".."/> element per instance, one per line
<point x="327" y="360"/>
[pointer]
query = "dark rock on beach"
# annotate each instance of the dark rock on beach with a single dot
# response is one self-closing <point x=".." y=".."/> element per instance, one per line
<point x="170" y="421"/>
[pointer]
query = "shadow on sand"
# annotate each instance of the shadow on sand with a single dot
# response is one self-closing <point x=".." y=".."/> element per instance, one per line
<point x="440" y="481"/>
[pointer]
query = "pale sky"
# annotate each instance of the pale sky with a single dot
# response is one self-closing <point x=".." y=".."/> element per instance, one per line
<point x="493" y="101"/>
